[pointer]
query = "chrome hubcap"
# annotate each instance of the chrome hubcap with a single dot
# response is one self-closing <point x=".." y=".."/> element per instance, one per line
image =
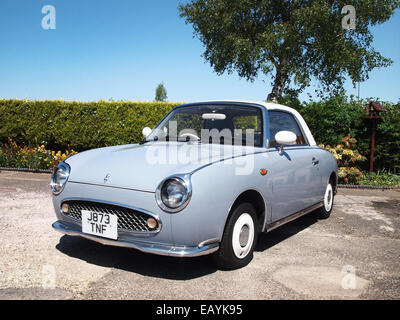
<point x="244" y="236"/>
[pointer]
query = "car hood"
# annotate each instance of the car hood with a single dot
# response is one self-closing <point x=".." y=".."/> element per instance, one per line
<point x="143" y="167"/>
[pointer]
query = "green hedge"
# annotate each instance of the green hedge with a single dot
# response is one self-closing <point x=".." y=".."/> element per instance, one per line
<point x="80" y="125"/>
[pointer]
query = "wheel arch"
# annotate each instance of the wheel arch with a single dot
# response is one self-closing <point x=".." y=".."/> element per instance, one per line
<point x="256" y="199"/>
<point x="333" y="179"/>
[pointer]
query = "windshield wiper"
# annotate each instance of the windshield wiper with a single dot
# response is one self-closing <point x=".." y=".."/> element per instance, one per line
<point x="168" y="138"/>
<point x="145" y="140"/>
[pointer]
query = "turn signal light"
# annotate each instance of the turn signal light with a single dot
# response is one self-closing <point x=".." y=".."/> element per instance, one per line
<point x="65" y="208"/>
<point x="152" y="223"/>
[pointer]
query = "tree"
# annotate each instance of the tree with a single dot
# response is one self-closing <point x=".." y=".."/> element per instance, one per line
<point x="294" y="41"/>
<point x="161" y="93"/>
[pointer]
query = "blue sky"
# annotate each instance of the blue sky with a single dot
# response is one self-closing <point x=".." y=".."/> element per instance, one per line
<point x="122" y="49"/>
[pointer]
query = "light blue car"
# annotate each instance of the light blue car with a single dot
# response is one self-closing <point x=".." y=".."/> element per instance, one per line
<point x="208" y="179"/>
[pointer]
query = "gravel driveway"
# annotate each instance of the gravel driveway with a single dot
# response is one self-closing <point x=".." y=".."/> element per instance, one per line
<point x="353" y="255"/>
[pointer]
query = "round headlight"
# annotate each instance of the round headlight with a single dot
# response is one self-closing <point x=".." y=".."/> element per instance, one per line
<point x="173" y="194"/>
<point x="59" y="177"/>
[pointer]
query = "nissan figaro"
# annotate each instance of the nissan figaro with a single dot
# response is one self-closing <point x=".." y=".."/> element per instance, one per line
<point x="207" y="179"/>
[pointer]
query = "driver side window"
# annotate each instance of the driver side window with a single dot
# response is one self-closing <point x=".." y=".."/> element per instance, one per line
<point x="279" y="121"/>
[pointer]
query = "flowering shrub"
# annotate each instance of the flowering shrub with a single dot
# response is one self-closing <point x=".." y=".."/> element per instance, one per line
<point x="347" y="158"/>
<point x="380" y="178"/>
<point x="38" y="157"/>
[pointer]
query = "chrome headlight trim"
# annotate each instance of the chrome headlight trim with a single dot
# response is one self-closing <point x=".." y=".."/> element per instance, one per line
<point x="56" y="186"/>
<point x="184" y="180"/>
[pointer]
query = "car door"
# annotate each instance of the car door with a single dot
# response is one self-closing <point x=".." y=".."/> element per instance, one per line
<point x="295" y="174"/>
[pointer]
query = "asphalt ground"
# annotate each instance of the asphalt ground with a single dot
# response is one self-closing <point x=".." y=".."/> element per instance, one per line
<point x="355" y="254"/>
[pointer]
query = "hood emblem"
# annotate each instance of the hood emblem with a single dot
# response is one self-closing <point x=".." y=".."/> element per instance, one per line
<point x="107" y="177"/>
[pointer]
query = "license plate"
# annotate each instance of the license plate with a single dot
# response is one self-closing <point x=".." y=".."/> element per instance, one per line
<point x="100" y="224"/>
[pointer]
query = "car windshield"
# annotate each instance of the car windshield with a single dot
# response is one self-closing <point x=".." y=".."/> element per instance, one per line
<point x="221" y="124"/>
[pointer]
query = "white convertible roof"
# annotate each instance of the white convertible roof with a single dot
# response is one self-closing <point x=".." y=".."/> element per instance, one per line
<point x="274" y="106"/>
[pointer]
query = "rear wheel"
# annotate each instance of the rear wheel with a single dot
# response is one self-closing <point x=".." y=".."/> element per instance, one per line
<point x="239" y="239"/>
<point x="325" y="211"/>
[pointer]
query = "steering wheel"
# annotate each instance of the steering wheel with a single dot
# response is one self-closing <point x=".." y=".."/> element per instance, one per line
<point x="191" y="135"/>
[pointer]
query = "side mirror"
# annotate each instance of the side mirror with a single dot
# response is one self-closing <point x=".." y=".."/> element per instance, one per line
<point x="146" y="132"/>
<point x="284" y="138"/>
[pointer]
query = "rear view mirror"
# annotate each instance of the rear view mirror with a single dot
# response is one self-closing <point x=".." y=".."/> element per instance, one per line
<point x="213" y="116"/>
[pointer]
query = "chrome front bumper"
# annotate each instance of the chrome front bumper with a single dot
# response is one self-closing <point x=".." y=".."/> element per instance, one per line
<point x="166" y="250"/>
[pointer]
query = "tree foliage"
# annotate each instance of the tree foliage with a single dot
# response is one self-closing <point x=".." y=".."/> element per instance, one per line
<point x="294" y="41"/>
<point x="161" y="93"/>
<point x="336" y="117"/>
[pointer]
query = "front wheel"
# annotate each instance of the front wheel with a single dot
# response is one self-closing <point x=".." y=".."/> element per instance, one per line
<point x="239" y="239"/>
<point x="325" y="211"/>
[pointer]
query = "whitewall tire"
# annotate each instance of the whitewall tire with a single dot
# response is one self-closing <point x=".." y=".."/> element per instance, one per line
<point x="239" y="238"/>
<point x="325" y="211"/>
<point x="243" y="235"/>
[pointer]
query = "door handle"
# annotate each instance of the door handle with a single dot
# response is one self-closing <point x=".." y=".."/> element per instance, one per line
<point x="315" y="161"/>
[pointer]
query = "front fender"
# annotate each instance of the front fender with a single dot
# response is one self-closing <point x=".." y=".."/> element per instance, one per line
<point x="214" y="190"/>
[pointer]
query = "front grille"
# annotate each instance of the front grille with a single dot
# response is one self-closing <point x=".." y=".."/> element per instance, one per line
<point x="128" y="219"/>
